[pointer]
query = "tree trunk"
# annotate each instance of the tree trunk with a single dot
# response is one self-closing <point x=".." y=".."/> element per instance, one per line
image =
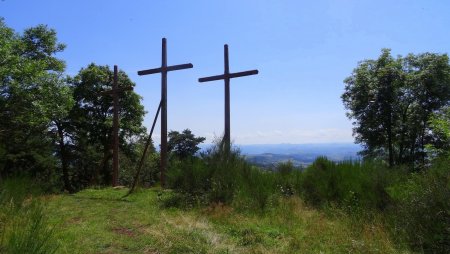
<point x="390" y="147"/>
<point x="402" y="136"/>
<point x="423" y="143"/>
<point x="412" y="152"/>
<point x="64" y="162"/>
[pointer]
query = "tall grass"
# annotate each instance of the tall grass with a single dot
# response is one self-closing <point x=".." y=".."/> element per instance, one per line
<point x="415" y="206"/>
<point x="421" y="209"/>
<point x="348" y="184"/>
<point x="221" y="176"/>
<point x="23" y="221"/>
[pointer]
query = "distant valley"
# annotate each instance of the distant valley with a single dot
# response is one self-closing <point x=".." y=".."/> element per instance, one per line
<point x="299" y="154"/>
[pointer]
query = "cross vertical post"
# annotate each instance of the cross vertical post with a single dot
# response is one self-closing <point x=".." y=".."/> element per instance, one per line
<point x="163" y="70"/>
<point x="164" y="152"/>
<point x="226" y="77"/>
<point x="115" y="176"/>
<point x="114" y="92"/>
<point x="227" y="135"/>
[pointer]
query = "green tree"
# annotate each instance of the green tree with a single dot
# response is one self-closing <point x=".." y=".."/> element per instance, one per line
<point x="184" y="144"/>
<point x="62" y="96"/>
<point x="390" y="101"/>
<point x="91" y="122"/>
<point x="28" y="70"/>
<point x="440" y="124"/>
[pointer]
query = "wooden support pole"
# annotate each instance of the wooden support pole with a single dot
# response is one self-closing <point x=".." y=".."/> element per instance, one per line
<point x="144" y="154"/>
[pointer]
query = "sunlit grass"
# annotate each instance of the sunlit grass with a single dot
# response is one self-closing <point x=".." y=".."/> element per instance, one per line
<point x="102" y="221"/>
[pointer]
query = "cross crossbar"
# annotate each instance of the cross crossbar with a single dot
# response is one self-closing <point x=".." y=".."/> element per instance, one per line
<point x="231" y="75"/>
<point x="165" y="69"/>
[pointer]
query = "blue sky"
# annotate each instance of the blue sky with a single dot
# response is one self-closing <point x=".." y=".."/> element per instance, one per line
<point x="302" y="49"/>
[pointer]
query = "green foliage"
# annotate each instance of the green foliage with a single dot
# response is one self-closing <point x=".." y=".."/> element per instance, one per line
<point x="421" y="211"/>
<point x="30" y="82"/>
<point x="90" y="126"/>
<point x="220" y="176"/>
<point x="30" y="233"/>
<point x="24" y="226"/>
<point x="228" y="170"/>
<point x="191" y="176"/>
<point x="149" y="174"/>
<point x="17" y="190"/>
<point x="257" y="190"/>
<point x="348" y="184"/>
<point x="440" y="124"/>
<point x="141" y="223"/>
<point x="185" y="144"/>
<point x="417" y="206"/>
<point x="288" y="178"/>
<point x="391" y="101"/>
<point x="54" y="127"/>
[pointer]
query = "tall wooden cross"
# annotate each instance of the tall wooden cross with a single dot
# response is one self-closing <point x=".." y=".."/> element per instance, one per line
<point x="115" y="94"/>
<point x="163" y="70"/>
<point x="226" y="77"/>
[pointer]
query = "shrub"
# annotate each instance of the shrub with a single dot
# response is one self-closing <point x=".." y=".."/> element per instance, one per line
<point x="221" y="176"/>
<point x="228" y="169"/>
<point x="149" y="173"/>
<point x="189" y="175"/>
<point x="256" y="189"/>
<point x="351" y="185"/>
<point x="214" y="174"/>
<point x="28" y="232"/>
<point x="287" y="178"/>
<point x="421" y="212"/>
<point x="23" y="224"/>
<point x="17" y="190"/>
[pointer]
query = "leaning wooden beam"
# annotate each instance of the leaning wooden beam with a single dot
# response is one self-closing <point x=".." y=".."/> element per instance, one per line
<point x="144" y="154"/>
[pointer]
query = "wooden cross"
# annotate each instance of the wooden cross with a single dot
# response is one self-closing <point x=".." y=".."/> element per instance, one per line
<point x="226" y="77"/>
<point x="163" y="70"/>
<point x="115" y="94"/>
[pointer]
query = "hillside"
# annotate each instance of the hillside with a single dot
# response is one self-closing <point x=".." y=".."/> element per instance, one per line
<point x="298" y="154"/>
<point x="101" y="221"/>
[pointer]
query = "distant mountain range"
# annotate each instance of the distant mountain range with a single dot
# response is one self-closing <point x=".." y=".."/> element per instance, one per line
<point x="300" y="154"/>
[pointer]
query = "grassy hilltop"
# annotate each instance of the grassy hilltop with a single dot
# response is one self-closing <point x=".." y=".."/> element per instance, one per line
<point x="101" y="221"/>
<point x="330" y="207"/>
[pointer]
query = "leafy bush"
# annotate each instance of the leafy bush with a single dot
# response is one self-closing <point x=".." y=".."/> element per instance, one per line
<point x="23" y="223"/>
<point x="288" y="178"/>
<point x="229" y="170"/>
<point x="189" y="175"/>
<point x="28" y="231"/>
<point x="221" y="176"/>
<point x="421" y="212"/>
<point x="417" y="205"/>
<point x="349" y="184"/>
<point x="17" y="190"/>
<point x="149" y="174"/>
